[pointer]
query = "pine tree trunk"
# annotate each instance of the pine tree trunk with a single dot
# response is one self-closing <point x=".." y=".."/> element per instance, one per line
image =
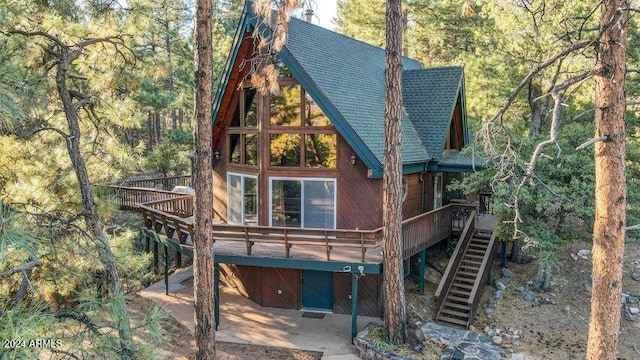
<point x="394" y="302"/>
<point x="203" y="183"/>
<point x="610" y="192"/>
<point x="94" y="227"/>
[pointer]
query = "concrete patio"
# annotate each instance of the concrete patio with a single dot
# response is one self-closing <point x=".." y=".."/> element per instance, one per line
<point x="243" y="321"/>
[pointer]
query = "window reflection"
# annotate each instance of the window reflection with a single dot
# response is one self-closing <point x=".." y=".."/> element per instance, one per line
<point x="285" y="150"/>
<point x="320" y="150"/>
<point x="285" y="106"/>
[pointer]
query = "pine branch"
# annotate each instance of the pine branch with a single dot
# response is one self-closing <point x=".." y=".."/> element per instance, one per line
<point x="80" y="317"/>
<point x="21" y="268"/>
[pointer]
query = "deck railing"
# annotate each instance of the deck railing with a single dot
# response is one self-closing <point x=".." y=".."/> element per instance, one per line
<point x="128" y="198"/>
<point x="161" y="183"/>
<point x="172" y="216"/>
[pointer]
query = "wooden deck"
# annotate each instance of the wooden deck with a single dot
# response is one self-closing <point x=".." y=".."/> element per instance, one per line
<point x="171" y="218"/>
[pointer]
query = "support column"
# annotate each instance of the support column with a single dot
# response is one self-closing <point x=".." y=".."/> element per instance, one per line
<point x="423" y="265"/>
<point x="166" y="270"/>
<point x="155" y="256"/>
<point x="216" y="295"/>
<point x="449" y="247"/>
<point x="354" y="305"/>
<point x="503" y="254"/>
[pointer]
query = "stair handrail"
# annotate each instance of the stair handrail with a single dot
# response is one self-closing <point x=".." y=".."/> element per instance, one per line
<point x="481" y="280"/>
<point x="456" y="257"/>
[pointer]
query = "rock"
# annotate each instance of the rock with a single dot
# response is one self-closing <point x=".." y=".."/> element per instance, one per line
<point x="498" y="294"/>
<point x="507" y="273"/>
<point x="624" y="298"/>
<point x="634" y="310"/>
<point x="488" y="311"/>
<point x="487" y="329"/>
<point x="500" y="285"/>
<point x="505" y="280"/>
<point x="472" y="328"/>
<point x="520" y="306"/>
<point x="584" y="254"/>
<point x="636" y="275"/>
<point x="432" y="276"/>
<point x="547" y="301"/>
<point x="566" y="309"/>
<point x="517" y="356"/>
<point x="588" y="284"/>
<point x="528" y="297"/>
<point x="522" y="289"/>
<point x="633" y="300"/>
<point x="497" y="340"/>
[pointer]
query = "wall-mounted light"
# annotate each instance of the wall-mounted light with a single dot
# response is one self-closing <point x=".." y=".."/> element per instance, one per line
<point x="217" y="154"/>
<point x="353" y="159"/>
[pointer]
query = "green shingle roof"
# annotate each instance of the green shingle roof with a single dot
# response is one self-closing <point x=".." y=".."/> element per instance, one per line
<point x="346" y="77"/>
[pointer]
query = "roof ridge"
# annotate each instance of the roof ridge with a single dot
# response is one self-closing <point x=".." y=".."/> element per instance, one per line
<point x="437" y="68"/>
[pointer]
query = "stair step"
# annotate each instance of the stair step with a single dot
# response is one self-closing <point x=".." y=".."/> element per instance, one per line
<point x="468" y="273"/>
<point x="457" y="298"/>
<point x="471" y="262"/>
<point x="460" y="292"/>
<point x="452" y="320"/>
<point x="475" y="251"/>
<point x="457" y="306"/>
<point x="480" y="240"/>
<point x="455" y="313"/>
<point x="462" y="286"/>
<point x="464" y="279"/>
<point x="482" y="234"/>
<point x="471" y="257"/>
<point x="477" y="246"/>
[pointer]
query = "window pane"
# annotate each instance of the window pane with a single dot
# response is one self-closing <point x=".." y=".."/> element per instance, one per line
<point x="235" y="119"/>
<point x="251" y="149"/>
<point x="250" y="201"/>
<point x="313" y="116"/>
<point x="234" y="194"/>
<point x="234" y="148"/>
<point x="285" y="106"/>
<point x="285" y="150"/>
<point x="319" y="207"/>
<point x="320" y="150"/>
<point x="286" y="203"/>
<point x="251" y="108"/>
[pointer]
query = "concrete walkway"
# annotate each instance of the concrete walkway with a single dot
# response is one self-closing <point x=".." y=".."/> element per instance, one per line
<point x="243" y="321"/>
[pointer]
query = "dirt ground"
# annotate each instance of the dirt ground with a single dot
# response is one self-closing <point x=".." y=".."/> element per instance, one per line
<point x="555" y="327"/>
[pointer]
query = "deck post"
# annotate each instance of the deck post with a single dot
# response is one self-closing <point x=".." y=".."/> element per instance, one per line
<point x="423" y="262"/>
<point x="216" y="294"/>
<point x="155" y="256"/>
<point x="354" y="305"/>
<point x="449" y="247"/>
<point x="503" y="254"/>
<point x="166" y="270"/>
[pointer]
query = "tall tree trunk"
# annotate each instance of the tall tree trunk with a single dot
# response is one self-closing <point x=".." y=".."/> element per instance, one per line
<point x="123" y="326"/>
<point x="535" y="103"/>
<point x="203" y="182"/>
<point x="610" y="192"/>
<point x="394" y="304"/>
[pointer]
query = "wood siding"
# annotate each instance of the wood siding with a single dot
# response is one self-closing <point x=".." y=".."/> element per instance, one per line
<point x="261" y="285"/>
<point x="369" y="294"/>
<point x="413" y="202"/>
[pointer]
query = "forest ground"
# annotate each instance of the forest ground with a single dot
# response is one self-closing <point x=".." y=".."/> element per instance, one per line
<point x="555" y="326"/>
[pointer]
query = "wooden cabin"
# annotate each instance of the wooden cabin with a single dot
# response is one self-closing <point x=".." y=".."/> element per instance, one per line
<point x="309" y="156"/>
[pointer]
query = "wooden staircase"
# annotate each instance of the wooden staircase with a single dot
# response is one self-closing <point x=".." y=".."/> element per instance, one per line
<point x="464" y="279"/>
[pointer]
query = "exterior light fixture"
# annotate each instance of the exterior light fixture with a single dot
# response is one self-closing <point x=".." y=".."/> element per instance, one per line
<point x="217" y="154"/>
<point x="353" y="159"/>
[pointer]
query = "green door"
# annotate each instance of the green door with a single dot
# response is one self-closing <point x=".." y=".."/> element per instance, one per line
<point x="317" y="290"/>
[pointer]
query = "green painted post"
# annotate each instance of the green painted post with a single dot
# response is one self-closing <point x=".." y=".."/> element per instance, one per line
<point x="354" y="306"/>
<point x="216" y="295"/>
<point x="423" y="265"/>
<point x="503" y="255"/>
<point x="155" y="256"/>
<point x="166" y="270"/>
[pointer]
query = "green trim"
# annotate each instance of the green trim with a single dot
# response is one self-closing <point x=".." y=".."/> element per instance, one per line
<point x="421" y="269"/>
<point x="354" y="305"/>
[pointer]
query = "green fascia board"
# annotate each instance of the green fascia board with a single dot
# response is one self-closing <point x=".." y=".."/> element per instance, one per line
<point x="333" y="266"/>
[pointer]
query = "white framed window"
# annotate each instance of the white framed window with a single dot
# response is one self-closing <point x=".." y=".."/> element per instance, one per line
<point x="242" y="199"/>
<point x="302" y="202"/>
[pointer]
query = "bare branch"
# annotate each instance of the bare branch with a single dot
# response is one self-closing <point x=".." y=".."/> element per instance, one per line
<point x="592" y="141"/>
<point x="21" y="268"/>
<point x="80" y="317"/>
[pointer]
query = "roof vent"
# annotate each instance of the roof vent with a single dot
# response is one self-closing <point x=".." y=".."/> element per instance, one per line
<point x="308" y="14"/>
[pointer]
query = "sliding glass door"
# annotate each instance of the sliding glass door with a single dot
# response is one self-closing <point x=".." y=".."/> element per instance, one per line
<point x="307" y="203"/>
<point x="242" y="199"/>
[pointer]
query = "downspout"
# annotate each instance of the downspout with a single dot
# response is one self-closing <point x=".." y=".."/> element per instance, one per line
<point x="422" y="187"/>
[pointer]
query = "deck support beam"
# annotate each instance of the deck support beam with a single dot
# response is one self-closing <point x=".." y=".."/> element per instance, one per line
<point x="503" y="254"/>
<point x="354" y="305"/>
<point x="421" y="269"/>
<point x="216" y="294"/>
